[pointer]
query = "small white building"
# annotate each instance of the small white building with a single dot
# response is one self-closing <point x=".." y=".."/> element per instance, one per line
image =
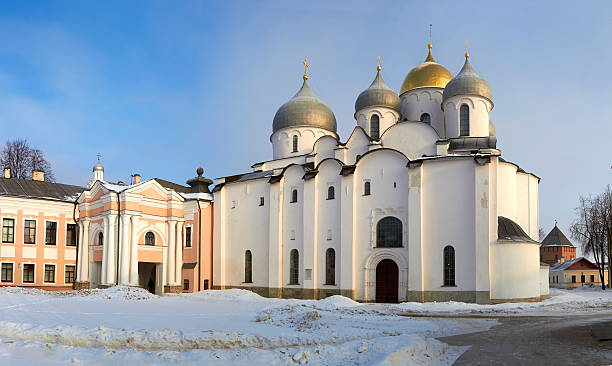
<point x="416" y="205"/>
<point x="576" y="272"/>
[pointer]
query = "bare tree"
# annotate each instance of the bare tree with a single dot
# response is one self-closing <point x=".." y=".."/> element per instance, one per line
<point x="22" y="159"/>
<point x="590" y="228"/>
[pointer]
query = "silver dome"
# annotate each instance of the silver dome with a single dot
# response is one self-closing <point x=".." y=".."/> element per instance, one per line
<point x="467" y="82"/>
<point x="377" y="95"/>
<point x="304" y="109"/>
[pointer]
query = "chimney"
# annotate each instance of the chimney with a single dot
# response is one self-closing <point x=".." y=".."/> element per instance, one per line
<point x="135" y="178"/>
<point x="38" y="175"/>
<point x="7" y="173"/>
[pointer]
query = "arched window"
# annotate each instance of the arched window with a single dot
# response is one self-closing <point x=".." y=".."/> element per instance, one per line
<point x="248" y="267"/>
<point x="294" y="267"/>
<point x="331" y="193"/>
<point x="330" y="267"/>
<point x="425" y="117"/>
<point x="366" y="188"/>
<point x="389" y="232"/>
<point x="150" y="238"/>
<point x="374" y="127"/>
<point x="464" y="120"/>
<point x="294" y="196"/>
<point x="100" y="238"/>
<point x="449" y="266"/>
<point x="295" y="143"/>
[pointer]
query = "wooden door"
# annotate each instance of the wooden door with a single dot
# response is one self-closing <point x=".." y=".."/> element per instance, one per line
<point x="387" y="281"/>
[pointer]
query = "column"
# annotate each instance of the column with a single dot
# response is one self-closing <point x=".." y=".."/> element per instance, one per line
<point x="105" y="250"/>
<point x="80" y="253"/>
<point x="124" y="251"/>
<point x="170" y="266"/>
<point x="83" y="270"/>
<point x="110" y="245"/>
<point x="134" y="251"/>
<point x="179" y="254"/>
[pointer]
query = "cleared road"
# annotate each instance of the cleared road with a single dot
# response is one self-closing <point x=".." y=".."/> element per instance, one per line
<point x="536" y="341"/>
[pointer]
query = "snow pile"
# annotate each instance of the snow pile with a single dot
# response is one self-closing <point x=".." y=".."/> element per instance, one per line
<point x="299" y="317"/>
<point x="231" y="294"/>
<point x="121" y="293"/>
<point x="336" y="301"/>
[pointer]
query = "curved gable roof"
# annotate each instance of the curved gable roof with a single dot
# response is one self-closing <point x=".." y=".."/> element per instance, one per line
<point x="508" y="230"/>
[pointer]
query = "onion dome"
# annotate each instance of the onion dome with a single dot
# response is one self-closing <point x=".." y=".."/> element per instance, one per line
<point x="428" y="74"/>
<point x="304" y="109"/>
<point x="98" y="167"/>
<point x="377" y="95"/>
<point x="467" y="82"/>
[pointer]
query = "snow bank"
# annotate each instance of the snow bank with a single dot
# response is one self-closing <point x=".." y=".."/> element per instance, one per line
<point x="231" y="294"/>
<point x="111" y="293"/>
<point x="585" y="300"/>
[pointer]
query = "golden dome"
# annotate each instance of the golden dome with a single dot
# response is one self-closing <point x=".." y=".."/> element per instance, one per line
<point x="429" y="73"/>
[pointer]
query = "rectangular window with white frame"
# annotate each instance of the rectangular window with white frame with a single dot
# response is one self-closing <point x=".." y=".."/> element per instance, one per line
<point x="50" y="233"/>
<point x="29" y="231"/>
<point x="7" y="273"/>
<point x="49" y="273"/>
<point x="69" y="273"/>
<point x="29" y="270"/>
<point x="71" y="235"/>
<point x="8" y="230"/>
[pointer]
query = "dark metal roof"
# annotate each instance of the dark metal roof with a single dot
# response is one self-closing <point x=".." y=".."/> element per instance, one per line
<point x="473" y="143"/>
<point x="36" y="189"/>
<point x="189" y="265"/>
<point x="556" y="238"/>
<point x="174" y="186"/>
<point x="509" y="230"/>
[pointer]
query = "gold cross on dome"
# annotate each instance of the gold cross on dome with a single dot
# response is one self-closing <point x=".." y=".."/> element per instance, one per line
<point x="99" y="156"/>
<point x="305" y="63"/>
<point x="379" y="67"/>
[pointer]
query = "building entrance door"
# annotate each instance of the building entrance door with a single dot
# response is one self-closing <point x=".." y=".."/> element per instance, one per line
<point x="387" y="281"/>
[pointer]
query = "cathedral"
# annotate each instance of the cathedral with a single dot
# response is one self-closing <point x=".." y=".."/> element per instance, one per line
<point x="416" y="205"/>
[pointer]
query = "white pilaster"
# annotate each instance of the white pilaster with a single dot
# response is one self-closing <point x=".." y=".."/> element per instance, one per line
<point x="179" y="254"/>
<point x="83" y="270"/>
<point x="171" y="262"/>
<point x="124" y="250"/>
<point x="105" y="249"/>
<point x="110" y="248"/>
<point x="134" y="252"/>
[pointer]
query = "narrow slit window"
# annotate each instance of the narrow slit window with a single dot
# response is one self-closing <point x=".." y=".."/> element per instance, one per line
<point x="464" y="120"/>
<point x="375" y="127"/>
<point x="449" y="266"/>
<point x="295" y="144"/>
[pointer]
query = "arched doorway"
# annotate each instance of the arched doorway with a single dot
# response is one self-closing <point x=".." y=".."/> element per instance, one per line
<point x="387" y="281"/>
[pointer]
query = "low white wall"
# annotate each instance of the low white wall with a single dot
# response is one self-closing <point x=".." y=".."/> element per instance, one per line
<point x="544" y="279"/>
<point x="515" y="271"/>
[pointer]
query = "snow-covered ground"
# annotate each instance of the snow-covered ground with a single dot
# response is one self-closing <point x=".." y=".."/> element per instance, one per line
<point x="561" y="302"/>
<point x="127" y="326"/>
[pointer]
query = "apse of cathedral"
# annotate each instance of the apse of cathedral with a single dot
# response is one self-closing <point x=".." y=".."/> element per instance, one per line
<point x="417" y="204"/>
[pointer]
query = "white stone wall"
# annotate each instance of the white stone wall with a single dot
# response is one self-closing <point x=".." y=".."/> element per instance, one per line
<point x="388" y="117"/>
<point x="515" y="271"/>
<point x="282" y="140"/>
<point x="479" y="115"/>
<point x="424" y="100"/>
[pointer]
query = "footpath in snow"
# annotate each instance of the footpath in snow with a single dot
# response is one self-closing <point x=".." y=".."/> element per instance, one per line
<point x="123" y="325"/>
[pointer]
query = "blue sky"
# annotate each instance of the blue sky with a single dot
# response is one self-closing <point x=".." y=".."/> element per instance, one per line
<point x="162" y="87"/>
